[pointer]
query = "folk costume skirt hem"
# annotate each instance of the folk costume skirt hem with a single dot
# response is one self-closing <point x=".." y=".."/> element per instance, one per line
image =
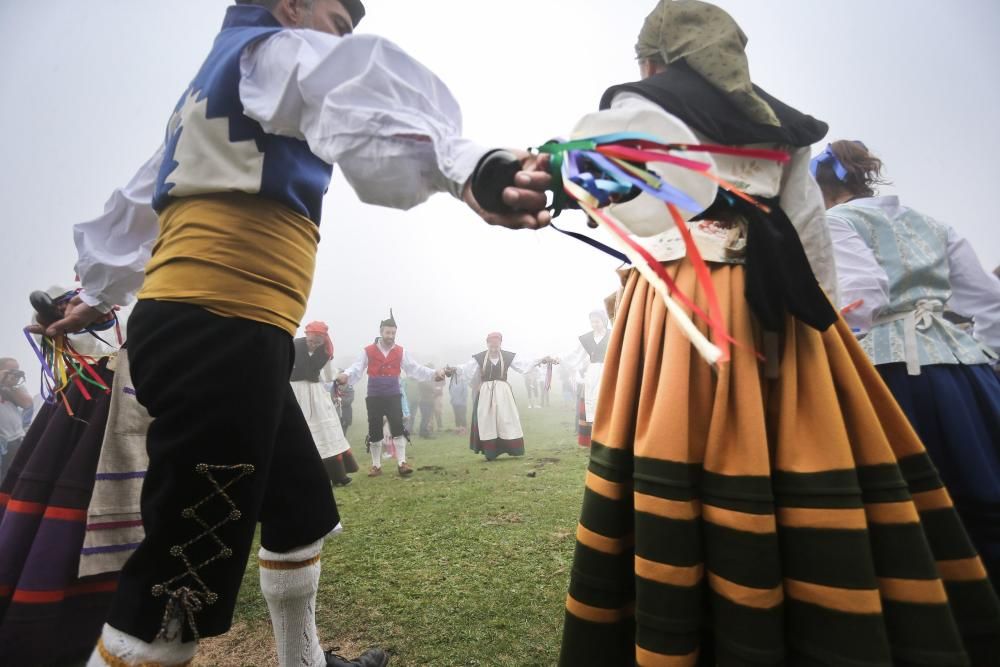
<point x="340" y="466"/>
<point x="730" y="519"/>
<point x="496" y="424"/>
<point x="49" y="614"/>
<point x="955" y="409"/>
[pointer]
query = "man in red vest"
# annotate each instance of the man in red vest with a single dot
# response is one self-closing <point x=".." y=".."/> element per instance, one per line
<point x="384" y="360"/>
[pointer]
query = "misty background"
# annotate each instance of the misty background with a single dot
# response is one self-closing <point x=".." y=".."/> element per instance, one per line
<point x="87" y="87"/>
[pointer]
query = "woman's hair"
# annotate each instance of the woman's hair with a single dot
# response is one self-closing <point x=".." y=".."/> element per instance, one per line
<point x="848" y="165"/>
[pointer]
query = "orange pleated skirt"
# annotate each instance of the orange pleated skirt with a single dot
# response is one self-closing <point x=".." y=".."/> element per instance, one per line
<point x="733" y="519"/>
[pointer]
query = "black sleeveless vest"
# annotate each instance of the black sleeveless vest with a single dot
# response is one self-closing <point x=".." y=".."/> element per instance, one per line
<point x="597" y="351"/>
<point x="494" y="371"/>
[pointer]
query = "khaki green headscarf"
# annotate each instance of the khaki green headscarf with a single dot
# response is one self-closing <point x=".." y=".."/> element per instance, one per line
<point x="711" y="43"/>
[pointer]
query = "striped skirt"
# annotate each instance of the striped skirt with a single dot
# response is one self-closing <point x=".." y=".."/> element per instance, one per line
<point x="729" y="519"/>
<point x="48" y="613"/>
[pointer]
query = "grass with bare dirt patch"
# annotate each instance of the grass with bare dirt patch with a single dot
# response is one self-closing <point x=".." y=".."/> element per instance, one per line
<point x="465" y="564"/>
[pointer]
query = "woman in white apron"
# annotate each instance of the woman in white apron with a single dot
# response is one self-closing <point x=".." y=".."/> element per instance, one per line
<point x="496" y="424"/>
<point x="312" y="358"/>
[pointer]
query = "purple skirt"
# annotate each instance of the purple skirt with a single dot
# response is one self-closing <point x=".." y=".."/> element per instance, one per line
<point x="49" y="615"/>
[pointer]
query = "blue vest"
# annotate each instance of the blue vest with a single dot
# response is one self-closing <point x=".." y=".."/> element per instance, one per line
<point x="212" y="147"/>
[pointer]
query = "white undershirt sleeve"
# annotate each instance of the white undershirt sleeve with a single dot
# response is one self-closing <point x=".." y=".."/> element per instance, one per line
<point x="802" y="201"/>
<point x="415" y="369"/>
<point x="975" y="293"/>
<point x="113" y="248"/>
<point x="364" y="104"/>
<point x="523" y="365"/>
<point x="357" y="368"/>
<point x="860" y="276"/>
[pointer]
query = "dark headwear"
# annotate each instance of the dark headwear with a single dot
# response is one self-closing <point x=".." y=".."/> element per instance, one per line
<point x="356" y="9"/>
<point x="711" y="43"/>
<point x="391" y="322"/>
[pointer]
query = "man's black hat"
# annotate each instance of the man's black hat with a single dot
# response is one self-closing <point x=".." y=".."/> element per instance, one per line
<point x="356" y="9"/>
<point x="391" y="322"/>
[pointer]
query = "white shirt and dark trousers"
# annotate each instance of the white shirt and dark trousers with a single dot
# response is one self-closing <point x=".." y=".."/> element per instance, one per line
<point x="261" y="125"/>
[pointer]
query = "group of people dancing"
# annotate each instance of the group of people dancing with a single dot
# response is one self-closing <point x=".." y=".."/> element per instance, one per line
<point x="828" y="494"/>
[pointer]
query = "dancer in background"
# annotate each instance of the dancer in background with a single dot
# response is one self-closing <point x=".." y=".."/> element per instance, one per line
<point x="458" y="394"/>
<point x="587" y="364"/>
<point x="383" y="361"/>
<point x="312" y="358"/>
<point x="902" y="268"/>
<point x="496" y="424"/>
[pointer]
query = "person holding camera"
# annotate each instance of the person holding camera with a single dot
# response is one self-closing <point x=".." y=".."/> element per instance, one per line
<point x="14" y="398"/>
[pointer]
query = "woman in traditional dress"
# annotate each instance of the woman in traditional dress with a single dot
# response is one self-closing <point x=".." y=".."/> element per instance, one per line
<point x="587" y="361"/>
<point x="496" y="423"/>
<point x="768" y="513"/>
<point x="312" y="357"/>
<point x="898" y="270"/>
<point x="52" y="606"/>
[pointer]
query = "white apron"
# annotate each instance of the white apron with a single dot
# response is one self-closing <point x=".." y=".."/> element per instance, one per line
<point x="321" y="415"/>
<point x="591" y="388"/>
<point x="496" y="414"/>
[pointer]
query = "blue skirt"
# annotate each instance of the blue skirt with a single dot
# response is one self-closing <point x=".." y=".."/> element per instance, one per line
<point x="955" y="410"/>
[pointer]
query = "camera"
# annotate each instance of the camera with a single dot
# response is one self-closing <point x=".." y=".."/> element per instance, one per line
<point x="13" y="378"/>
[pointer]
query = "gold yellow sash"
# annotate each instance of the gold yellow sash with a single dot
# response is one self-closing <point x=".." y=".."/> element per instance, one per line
<point x="235" y="255"/>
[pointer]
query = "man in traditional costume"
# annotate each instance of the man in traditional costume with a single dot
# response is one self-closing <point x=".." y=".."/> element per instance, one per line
<point x="219" y="229"/>
<point x="587" y="361"/>
<point x="755" y="513"/>
<point x="312" y="358"/>
<point x="383" y="361"/>
<point x="496" y="424"/>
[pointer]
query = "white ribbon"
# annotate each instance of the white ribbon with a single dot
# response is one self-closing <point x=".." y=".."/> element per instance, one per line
<point x="920" y="318"/>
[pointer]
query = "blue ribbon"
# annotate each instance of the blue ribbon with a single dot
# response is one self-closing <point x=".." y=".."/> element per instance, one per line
<point x="593" y="243"/>
<point x="828" y="156"/>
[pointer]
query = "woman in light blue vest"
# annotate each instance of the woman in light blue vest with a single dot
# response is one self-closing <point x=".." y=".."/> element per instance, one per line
<point x="898" y="270"/>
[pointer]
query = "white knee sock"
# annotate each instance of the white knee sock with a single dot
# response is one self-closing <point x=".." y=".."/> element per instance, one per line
<point x="289" y="582"/>
<point x="116" y="647"/>
<point x="400" y="442"/>
<point x="376" y="452"/>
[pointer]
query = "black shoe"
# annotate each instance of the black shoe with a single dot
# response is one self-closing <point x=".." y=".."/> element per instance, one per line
<point x="344" y="481"/>
<point x="373" y="657"/>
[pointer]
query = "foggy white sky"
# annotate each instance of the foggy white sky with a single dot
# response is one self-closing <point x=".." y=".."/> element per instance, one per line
<point x="86" y="89"/>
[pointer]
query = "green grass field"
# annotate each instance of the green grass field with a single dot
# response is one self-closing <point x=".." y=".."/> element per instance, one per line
<point x="466" y="563"/>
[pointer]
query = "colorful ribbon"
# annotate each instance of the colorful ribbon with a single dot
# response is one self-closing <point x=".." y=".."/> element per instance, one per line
<point x="63" y="366"/>
<point x="595" y="172"/>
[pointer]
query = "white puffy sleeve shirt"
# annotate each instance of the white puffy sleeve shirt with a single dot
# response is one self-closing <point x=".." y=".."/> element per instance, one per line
<point x="360" y="102"/>
<point x="470" y="370"/>
<point x="864" y="284"/>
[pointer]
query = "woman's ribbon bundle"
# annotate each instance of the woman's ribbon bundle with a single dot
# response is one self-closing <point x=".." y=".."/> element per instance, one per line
<point x="595" y="172"/>
<point x="63" y="366"/>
